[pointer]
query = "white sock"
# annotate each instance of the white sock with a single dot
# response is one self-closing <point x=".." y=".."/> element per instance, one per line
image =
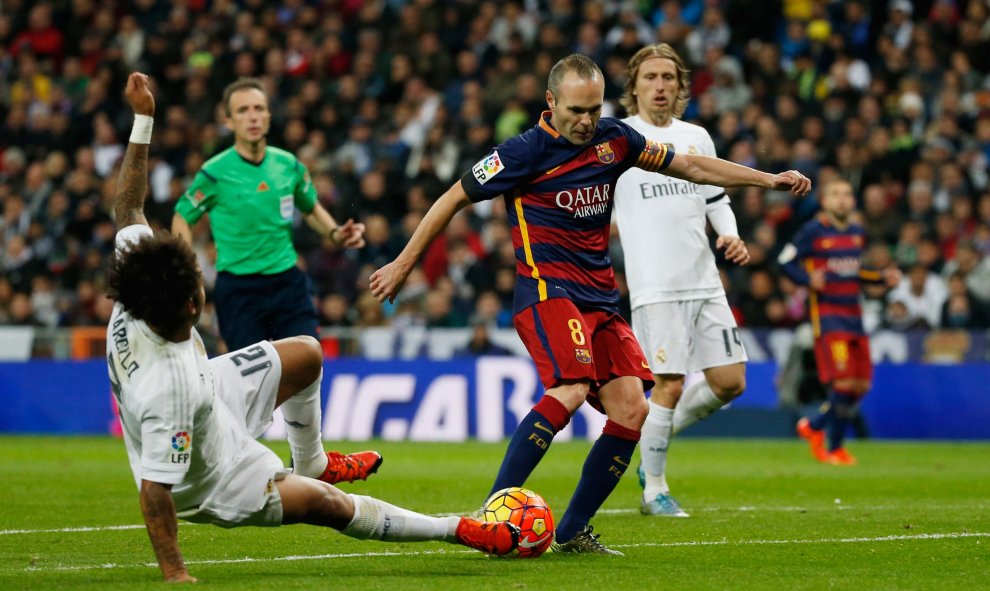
<point x="653" y="444"/>
<point x="302" y="414"/>
<point x="378" y="520"/>
<point x="696" y="404"/>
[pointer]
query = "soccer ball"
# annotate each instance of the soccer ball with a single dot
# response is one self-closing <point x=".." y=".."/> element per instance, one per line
<point x="527" y="510"/>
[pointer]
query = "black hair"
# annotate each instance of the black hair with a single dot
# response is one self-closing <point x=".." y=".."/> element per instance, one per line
<point x="154" y="280"/>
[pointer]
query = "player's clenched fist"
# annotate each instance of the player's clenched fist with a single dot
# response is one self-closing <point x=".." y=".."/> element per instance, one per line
<point x="793" y="181"/>
<point x="138" y="93"/>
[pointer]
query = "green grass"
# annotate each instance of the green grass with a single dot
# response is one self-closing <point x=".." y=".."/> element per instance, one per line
<point x="764" y="516"/>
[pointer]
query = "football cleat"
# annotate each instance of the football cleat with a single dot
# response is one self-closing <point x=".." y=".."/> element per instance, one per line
<point x="350" y="467"/>
<point x="662" y="504"/>
<point x="814" y="437"/>
<point x="839" y="457"/>
<point x="497" y="538"/>
<point x="585" y="542"/>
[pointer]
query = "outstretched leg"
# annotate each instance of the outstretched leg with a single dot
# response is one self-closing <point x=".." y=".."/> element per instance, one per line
<point x="305" y="500"/>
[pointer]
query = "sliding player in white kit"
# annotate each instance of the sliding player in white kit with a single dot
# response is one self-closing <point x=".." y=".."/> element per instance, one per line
<point x="679" y="311"/>
<point x="190" y="422"/>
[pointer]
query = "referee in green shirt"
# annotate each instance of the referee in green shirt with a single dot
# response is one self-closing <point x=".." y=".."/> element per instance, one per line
<point x="251" y="191"/>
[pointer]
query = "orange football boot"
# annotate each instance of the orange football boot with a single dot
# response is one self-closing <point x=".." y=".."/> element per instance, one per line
<point x="814" y="437"/>
<point x="840" y="457"/>
<point x="497" y="538"/>
<point x="350" y="467"/>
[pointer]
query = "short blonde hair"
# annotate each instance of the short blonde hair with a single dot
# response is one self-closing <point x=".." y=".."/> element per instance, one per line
<point x="663" y="50"/>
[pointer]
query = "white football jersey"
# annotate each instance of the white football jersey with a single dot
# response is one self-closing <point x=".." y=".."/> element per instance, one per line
<point x="661" y="223"/>
<point x="177" y="431"/>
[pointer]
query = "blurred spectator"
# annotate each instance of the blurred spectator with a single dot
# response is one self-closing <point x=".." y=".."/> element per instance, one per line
<point x="960" y="309"/>
<point x="974" y="269"/>
<point x="480" y="342"/>
<point x="389" y="102"/>
<point x="334" y="311"/>
<point x="922" y="293"/>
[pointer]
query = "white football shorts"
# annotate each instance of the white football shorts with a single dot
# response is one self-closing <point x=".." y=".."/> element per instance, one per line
<point x="687" y="336"/>
<point x="247" y="381"/>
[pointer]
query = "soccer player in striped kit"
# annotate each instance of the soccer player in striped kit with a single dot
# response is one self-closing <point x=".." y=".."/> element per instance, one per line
<point x="825" y="256"/>
<point x="558" y="180"/>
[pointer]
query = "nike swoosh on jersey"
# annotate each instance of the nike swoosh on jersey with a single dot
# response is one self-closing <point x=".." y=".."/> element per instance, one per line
<point x="620" y="461"/>
<point x="543" y="427"/>
<point x="554" y="169"/>
<point x="532" y="544"/>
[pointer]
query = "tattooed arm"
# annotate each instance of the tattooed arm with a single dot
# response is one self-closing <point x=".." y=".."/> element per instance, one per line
<point x="163" y="529"/>
<point x="132" y="184"/>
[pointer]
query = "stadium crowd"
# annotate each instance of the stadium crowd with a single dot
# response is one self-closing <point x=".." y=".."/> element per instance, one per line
<point x="387" y="102"/>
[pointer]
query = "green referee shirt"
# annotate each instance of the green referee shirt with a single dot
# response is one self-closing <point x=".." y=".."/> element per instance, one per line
<point x="251" y="208"/>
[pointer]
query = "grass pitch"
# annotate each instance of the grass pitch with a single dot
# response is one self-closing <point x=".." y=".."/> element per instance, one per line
<point x="763" y="516"/>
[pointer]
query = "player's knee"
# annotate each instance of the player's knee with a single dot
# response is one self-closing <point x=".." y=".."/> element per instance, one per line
<point x="630" y="413"/>
<point x="670" y="389"/>
<point x="730" y="387"/>
<point x="310" y="358"/>
<point x="333" y="506"/>
<point x="572" y="395"/>
<point x="639" y="412"/>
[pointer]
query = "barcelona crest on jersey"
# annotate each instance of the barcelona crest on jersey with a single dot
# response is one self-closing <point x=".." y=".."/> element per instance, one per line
<point x="605" y="153"/>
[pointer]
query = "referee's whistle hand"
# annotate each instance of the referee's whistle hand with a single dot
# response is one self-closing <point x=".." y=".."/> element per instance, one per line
<point x="351" y="234"/>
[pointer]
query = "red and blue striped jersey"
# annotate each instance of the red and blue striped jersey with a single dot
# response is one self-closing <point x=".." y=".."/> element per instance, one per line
<point x="559" y="202"/>
<point x="821" y="245"/>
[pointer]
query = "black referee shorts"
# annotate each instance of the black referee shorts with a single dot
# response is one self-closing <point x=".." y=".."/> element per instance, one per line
<point x="252" y="308"/>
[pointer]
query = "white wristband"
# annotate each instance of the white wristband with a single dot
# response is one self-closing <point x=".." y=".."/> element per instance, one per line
<point x="141" y="132"/>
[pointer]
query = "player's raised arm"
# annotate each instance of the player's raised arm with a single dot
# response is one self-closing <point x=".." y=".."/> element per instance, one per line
<point x="387" y="281"/>
<point x="708" y="170"/>
<point x="132" y="184"/>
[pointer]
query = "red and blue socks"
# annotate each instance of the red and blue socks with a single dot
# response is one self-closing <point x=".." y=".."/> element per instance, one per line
<point x="607" y="461"/>
<point x="530" y="442"/>
<point x="843" y="407"/>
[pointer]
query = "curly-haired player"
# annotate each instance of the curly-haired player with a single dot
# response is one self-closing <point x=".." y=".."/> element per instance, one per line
<point x="190" y="422"/>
